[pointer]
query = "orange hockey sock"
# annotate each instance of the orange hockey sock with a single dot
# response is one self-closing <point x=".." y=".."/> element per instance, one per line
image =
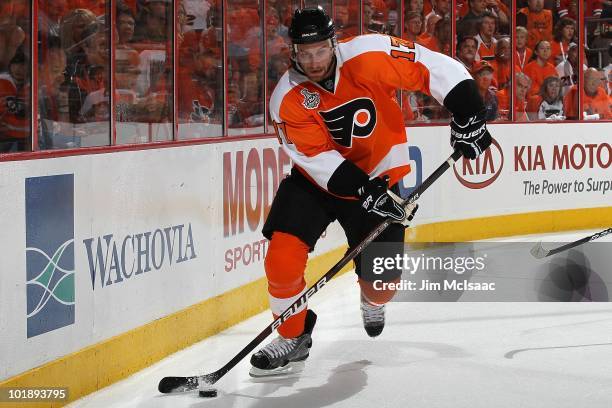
<point x="285" y="265"/>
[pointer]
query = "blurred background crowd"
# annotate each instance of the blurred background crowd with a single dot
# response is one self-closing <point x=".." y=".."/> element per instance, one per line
<point x="166" y="56"/>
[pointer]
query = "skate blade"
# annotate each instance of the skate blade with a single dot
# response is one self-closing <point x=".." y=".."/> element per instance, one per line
<point x="291" y="368"/>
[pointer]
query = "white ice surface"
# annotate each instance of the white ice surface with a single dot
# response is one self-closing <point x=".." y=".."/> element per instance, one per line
<point x="459" y="355"/>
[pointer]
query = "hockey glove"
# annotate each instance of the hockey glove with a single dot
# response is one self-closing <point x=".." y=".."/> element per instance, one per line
<point x="470" y="135"/>
<point x="376" y="198"/>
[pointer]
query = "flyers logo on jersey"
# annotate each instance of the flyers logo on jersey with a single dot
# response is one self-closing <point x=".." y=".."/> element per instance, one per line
<point x="311" y="99"/>
<point x="356" y="118"/>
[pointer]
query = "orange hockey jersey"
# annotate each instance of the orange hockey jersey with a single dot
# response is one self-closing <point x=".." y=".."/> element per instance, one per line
<point x="361" y="120"/>
<point x="484" y="52"/>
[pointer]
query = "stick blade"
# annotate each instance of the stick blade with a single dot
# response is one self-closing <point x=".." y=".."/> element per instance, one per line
<point x="538" y="251"/>
<point x="169" y="385"/>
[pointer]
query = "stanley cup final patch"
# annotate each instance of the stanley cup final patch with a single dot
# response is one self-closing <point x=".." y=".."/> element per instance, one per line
<point x="311" y="99"/>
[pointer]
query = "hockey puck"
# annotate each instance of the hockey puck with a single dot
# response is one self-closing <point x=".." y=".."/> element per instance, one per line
<point x="210" y="393"/>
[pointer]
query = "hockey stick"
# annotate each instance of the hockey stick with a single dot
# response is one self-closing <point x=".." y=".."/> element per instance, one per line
<point x="182" y="384"/>
<point x="538" y="252"/>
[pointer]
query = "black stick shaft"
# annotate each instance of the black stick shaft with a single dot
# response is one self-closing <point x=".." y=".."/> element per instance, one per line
<point x="214" y="377"/>
<point x="579" y="242"/>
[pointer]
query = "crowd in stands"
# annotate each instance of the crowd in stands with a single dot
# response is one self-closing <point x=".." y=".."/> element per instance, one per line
<point x="546" y="55"/>
<point x="74" y="81"/>
<point x="74" y="70"/>
<point x="76" y="35"/>
<point x="546" y="58"/>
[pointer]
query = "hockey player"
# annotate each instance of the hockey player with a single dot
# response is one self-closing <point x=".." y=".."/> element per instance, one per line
<point x="336" y="116"/>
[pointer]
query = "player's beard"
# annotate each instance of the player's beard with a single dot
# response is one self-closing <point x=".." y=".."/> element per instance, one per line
<point x="323" y="73"/>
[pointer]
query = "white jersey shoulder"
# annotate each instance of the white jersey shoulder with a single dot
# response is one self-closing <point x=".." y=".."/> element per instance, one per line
<point x="363" y="44"/>
<point x="288" y="81"/>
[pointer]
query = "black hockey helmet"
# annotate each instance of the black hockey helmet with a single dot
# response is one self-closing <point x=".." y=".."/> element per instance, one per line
<point x="310" y="25"/>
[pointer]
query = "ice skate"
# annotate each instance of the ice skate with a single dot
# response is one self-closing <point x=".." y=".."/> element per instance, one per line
<point x="284" y="356"/>
<point x="373" y="317"/>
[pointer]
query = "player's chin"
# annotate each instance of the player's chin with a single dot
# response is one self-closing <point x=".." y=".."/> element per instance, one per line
<point x="315" y="76"/>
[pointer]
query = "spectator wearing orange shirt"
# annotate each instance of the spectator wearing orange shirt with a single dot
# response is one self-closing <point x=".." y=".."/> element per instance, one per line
<point x="428" y="39"/>
<point x="523" y="83"/>
<point x="537" y="20"/>
<point x="563" y="36"/>
<point x="595" y="100"/>
<point x="440" y="40"/>
<point x="413" y="26"/>
<point x="502" y="63"/>
<point x="486" y="42"/>
<point x="539" y="68"/>
<point x="523" y="53"/>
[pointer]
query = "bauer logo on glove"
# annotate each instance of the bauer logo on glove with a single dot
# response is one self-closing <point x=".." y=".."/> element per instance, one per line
<point x="470" y="135"/>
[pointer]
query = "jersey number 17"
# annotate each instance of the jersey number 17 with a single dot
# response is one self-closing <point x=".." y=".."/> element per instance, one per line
<point x="402" y="49"/>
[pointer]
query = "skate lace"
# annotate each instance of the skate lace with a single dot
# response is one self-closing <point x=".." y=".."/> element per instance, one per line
<point x="372" y="313"/>
<point x="279" y="347"/>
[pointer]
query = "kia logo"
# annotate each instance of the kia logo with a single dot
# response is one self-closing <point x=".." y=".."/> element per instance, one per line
<point x="483" y="171"/>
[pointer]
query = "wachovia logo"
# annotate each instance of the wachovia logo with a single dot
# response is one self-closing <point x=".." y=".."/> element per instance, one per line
<point x="112" y="260"/>
<point x="50" y="285"/>
<point x="482" y="171"/>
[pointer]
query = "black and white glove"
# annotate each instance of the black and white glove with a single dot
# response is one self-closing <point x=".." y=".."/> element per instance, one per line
<point x="470" y="135"/>
<point x="376" y="198"/>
